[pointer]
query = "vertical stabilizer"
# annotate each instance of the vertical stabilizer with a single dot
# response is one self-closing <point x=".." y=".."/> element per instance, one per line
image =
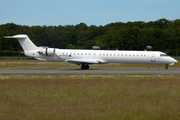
<point x="25" y="42"/>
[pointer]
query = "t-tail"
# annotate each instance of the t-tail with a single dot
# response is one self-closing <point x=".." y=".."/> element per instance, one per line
<point x="25" y="42"/>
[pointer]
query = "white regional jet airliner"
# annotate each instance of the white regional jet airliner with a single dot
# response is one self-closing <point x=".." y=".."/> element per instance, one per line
<point x="86" y="57"/>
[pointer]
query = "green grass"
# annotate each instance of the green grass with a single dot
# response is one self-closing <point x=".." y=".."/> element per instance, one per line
<point x="46" y="64"/>
<point x="89" y="97"/>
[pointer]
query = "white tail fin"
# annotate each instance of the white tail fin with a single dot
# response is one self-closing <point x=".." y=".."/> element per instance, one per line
<point x="25" y="42"/>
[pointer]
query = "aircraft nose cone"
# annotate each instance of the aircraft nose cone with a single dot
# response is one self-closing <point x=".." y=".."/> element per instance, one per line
<point x="173" y="60"/>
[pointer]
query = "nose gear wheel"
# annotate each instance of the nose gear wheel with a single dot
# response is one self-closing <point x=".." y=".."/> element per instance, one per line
<point x="166" y="67"/>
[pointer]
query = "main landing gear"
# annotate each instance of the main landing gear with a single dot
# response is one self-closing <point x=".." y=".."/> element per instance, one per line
<point x="166" y="67"/>
<point x="84" y="66"/>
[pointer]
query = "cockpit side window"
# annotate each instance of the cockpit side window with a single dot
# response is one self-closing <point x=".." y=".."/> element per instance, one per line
<point x="163" y="55"/>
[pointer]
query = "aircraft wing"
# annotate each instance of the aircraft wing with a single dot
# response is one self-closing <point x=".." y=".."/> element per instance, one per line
<point x="41" y="59"/>
<point x="80" y="61"/>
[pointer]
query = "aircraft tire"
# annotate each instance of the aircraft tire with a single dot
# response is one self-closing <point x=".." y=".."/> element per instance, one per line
<point x="166" y="67"/>
<point x="82" y="67"/>
<point x="87" y="66"/>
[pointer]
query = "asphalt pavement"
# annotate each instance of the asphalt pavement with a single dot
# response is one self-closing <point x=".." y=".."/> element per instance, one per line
<point x="89" y="71"/>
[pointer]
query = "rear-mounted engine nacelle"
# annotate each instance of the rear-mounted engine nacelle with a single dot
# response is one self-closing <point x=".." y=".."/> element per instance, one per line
<point x="47" y="51"/>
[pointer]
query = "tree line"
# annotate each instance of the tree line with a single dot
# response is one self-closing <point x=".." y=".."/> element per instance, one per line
<point x="162" y="35"/>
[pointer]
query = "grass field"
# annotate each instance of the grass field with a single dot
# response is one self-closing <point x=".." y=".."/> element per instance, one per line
<point x="45" y="97"/>
<point x="46" y="64"/>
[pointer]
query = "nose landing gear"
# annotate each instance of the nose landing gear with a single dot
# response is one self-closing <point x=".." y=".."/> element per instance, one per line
<point x="166" y="67"/>
<point x="84" y="66"/>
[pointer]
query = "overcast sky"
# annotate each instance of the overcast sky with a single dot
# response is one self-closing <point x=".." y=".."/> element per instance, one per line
<point x="91" y="12"/>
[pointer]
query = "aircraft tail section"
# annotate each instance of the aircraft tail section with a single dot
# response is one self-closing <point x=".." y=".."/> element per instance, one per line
<point x="25" y="42"/>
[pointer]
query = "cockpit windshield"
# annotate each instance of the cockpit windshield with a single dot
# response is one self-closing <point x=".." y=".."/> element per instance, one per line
<point x="163" y="55"/>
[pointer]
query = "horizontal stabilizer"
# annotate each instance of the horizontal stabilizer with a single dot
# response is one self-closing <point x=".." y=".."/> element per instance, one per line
<point x="17" y="36"/>
<point x="8" y="36"/>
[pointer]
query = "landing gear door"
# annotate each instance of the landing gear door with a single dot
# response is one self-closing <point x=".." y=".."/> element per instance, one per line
<point x="153" y="58"/>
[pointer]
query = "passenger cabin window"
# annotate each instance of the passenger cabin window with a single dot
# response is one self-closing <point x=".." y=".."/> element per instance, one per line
<point x="81" y="53"/>
<point x="74" y="53"/>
